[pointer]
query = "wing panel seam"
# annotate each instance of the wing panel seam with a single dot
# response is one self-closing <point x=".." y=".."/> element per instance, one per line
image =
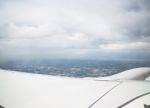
<point x="104" y="95"/>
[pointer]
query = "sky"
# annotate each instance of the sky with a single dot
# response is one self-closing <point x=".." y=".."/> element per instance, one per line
<point x="74" y="29"/>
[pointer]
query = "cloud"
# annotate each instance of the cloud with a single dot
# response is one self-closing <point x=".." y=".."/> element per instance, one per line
<point x="64" y="27"/>
<point x="124" y="46"/>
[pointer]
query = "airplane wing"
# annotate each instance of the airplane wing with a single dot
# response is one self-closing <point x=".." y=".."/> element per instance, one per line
<point x="129" y="89"/>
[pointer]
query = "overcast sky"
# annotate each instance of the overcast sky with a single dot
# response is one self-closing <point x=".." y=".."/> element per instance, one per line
<point x="74" y="29"/>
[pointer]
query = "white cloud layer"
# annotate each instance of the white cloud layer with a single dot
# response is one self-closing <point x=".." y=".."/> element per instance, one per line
<point x="73" y="27"/>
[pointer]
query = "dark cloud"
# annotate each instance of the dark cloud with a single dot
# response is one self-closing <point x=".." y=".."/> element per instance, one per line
<point x="144" y="4"/>
<point x="139" y="30"/>
<point x="133" y="6"/>
<point x="136" y="24"/>
<point x="137" y="5"/>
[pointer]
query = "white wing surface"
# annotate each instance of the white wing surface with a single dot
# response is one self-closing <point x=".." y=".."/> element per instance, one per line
<point x="25" y="90"/>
